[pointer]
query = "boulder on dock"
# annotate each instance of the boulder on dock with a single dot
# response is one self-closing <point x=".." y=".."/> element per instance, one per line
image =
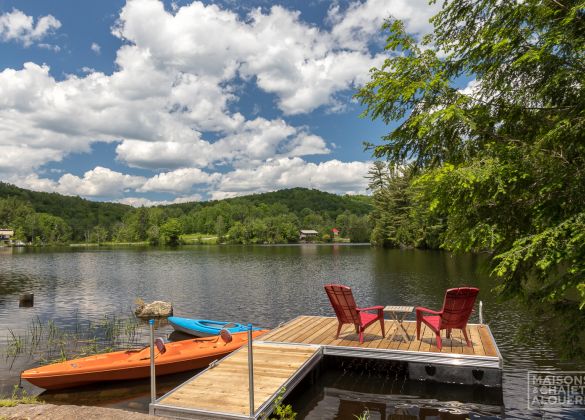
<point x="156" y="309"/>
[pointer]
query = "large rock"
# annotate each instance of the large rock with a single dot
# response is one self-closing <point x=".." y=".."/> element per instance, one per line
<point x="156" y="309"/>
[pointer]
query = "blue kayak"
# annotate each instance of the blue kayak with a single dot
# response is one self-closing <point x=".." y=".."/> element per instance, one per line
<point x="204" y="327"/>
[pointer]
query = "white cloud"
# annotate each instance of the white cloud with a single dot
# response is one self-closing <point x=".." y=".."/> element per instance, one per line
<point x="257" y="140"/>
<point x="98" y="182"/>
<point x="16" y="26"/>
<point x="50" y="47"/>
<point x="222" y="195"/>
<point x="179" y="181"/>
<point x="360" y="23"/>
<point x="169" y="105"/>
<point x="306" y="144"/>
<point x="33" y="182"/>
<point x="95" y="47"/>
<point x="301" y="64"/>
<point x="176" y="82"/>
<point x="141" y="201"/>
<point x="14" y="157"/>
<point x="333" y="176"/>
<point x="472" y="89"/>
<point x="163" y="154"/>
<point x="261" y="139"/>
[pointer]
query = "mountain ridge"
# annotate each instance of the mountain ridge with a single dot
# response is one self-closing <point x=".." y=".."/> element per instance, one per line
<point x="83" y="215"/>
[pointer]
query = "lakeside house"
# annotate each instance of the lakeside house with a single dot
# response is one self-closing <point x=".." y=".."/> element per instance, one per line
<point x="6" y="236"/>
<point x="307" y="233"/>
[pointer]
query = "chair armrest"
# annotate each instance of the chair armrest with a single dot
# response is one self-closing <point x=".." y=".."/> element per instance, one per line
<point x="420" y="309"/>
<point x="371" y="308"/>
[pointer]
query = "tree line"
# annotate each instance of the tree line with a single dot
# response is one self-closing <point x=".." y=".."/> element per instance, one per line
<point x="240" y="220"/>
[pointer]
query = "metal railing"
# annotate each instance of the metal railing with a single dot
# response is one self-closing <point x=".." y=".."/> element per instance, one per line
<point x="153" y="370"/>
<point x="250" y="371"/>
<point x="152" y="367"/>
<point x="480" y="312"/>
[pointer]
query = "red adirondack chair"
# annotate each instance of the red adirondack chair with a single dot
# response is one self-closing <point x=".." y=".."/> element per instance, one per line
<point x="457" y="308"/>
<point x="347" y="312"/>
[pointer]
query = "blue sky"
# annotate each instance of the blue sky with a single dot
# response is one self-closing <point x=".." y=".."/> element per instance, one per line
<point x="145" y="101"/>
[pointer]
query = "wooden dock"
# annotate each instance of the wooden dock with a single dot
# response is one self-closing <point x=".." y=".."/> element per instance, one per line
<point x="222" y="391"/>
<point x="285" y="355"/>
<point x="320" y="331"/>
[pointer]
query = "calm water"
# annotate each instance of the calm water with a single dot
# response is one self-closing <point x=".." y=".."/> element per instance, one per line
<point x="267" y="286"/>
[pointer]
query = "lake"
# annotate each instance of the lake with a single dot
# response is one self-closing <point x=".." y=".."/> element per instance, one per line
<point x="267" y="285"/>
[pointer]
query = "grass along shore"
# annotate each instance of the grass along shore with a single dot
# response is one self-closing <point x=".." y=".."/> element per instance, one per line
<point x="188" y="239"/>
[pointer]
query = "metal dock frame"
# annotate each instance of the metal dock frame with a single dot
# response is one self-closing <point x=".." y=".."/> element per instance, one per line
<point x="159" y="408"/>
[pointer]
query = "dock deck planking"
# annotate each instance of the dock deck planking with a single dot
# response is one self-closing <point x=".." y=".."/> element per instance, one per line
<point x="487" y="341"/>
<point x="284" y="330"/>
<point x="476" y="340"/>
<point x="224" y="389"/>
<point x="303" y="337"/>
<point x="321" y="331"/>
<point x="406" y="343"/>
<point x="284" y="355"/>
<point x="325" y="337"/>
<point x="325" y="327"/>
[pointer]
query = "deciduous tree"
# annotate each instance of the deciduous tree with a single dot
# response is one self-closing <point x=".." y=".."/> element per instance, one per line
<point x="503" y="157"/>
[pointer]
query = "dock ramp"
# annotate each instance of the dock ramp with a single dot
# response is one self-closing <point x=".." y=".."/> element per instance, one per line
<point x="221" y="391"/>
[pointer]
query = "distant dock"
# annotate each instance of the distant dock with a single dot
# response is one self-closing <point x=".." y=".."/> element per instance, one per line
<point x="287" y="354"/>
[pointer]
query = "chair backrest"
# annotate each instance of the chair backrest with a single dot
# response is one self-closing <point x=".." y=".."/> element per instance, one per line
<point x="458" y="306"/>
<point x="341" y="299"/>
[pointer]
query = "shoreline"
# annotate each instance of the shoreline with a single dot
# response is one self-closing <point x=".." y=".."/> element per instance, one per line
<point x="72" y="412"/>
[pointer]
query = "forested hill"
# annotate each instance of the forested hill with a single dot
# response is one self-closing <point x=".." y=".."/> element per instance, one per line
<point x="296" y="200"/>
<point x="269" y="217"/>
<point x="81" y="215"/>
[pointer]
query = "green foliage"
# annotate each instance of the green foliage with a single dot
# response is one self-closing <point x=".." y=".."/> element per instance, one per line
<point x="261" y="218"/>
<point x="498" y="166"/>
<point x="44" y="228"/>
<point x="99" y="234"/>
<point x="363" y="416"/>
<point x="19" y="396"/>
<point x="171" y="231"/>
<point x="47" y="342"/>
<point x="292" y="200"/>
<point x="81" y="215"/>
<point x="282" y="411"/>
<point x="153" y="235"/>
<point x="359" y="229"/>
<point x="400" y="217"/>
<point x="269" y="230"/>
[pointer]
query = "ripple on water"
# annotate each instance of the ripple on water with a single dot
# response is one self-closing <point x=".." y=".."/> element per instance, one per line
<point x="269" y="285"/>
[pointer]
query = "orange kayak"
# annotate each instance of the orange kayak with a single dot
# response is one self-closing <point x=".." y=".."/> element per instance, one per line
<point x="179" y="356"/>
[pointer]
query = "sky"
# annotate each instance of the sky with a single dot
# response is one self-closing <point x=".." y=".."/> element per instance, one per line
<point x="149" y="102"/>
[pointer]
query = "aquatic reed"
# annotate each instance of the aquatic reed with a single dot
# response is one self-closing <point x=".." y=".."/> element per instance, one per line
<point x="47" y="342"/>
<point x="282" y="411"/>
<point x="363" y="416"/>
<point x="19" y="396"/>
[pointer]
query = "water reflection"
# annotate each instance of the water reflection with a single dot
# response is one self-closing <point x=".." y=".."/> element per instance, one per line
<point x="346" y="388"/>
<point x="267" y="285"/>
<point x="133" y="395"/>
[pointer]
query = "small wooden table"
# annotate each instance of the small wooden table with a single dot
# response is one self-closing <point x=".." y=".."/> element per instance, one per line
<point x="398" y="313"/>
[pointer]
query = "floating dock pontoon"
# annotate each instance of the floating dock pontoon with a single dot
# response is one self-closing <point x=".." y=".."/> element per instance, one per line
<point x="285" y="355"/>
